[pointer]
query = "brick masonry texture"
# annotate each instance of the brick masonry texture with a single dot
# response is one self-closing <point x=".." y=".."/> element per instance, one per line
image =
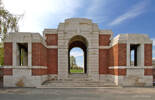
<point x="104" y="40"/>
<point x="6" y="71"/>
<point x="8" y="53"/>
<point x="103" y="61"/>
<point x="148" y="54"/>
<point x="122" y="54"/>
<point x="52" y="55"/>
<point x="115" y="56"/>
<point x="39" y="55"/>
<point x="117" y="72"/>
<point x="38" y="72"/>
<point x="148" y="71"/>
<point x="52" y="39"/>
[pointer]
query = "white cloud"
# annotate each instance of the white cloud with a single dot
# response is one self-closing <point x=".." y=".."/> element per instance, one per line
<point x="76" y="53"/>
<point x="135" y="11"/>
<point x="39" y="13"/>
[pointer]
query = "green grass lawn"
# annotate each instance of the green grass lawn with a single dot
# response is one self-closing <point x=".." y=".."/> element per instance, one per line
<point x="76" y="70"/>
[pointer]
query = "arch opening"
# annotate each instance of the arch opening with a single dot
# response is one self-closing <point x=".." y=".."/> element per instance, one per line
<point x="77" y="55"/>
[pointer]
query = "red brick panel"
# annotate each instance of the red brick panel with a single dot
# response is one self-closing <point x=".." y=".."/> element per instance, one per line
<point x="104" y="39"/>
<point x="7" y="53"/>
<point x="113" y="56"/>
<point x="103" y="61"/>
<point x="148" y="54"/>
<point x="118" y="72"/>
<point x="39" y="71"/>
<point x="52" y="39"/>
<point x="111" y="71"/>
<point x="7" y="71"/>
<point x="117" y="55"/>
<point x="43" y="56"/>
<point x="148" y="71"/>
<point x="52" y="61"/>
<point x="122" y="55"/>
<point x="39" y="55"/>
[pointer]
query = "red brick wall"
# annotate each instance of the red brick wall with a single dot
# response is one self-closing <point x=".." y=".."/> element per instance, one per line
<point x="148" y="71"/>
<point x="148" y="54"/>
<point x="39" y="55"/>
<point x="39" y="71"/>
<point x="115" y="56"/>
<point x="122" y="54"/>
<point x="8" y="53"/>
<point x="51" y="39"/>
<point x="52" y="60"/>
<point x="104" y="39"/>
<point x="6" y="71"/>
<point x="118" y="72"/>
<point x="103" y="61"/>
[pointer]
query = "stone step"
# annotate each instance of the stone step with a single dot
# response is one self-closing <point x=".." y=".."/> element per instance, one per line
<point x="63" y="83"/>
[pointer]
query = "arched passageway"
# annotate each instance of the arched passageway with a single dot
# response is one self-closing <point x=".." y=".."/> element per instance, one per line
<point x="79" y="43"/>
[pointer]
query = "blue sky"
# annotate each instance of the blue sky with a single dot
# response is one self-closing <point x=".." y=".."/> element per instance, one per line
<point x="122" y="16"/>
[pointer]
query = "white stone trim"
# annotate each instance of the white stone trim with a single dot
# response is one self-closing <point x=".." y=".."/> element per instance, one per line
<point x="52" y="47"/>
<point x="50" y="31"/>
<point x="29" y="54"/>
<point x="14" y="47"/>
<point x="104" y="47"/>
<point x="25" y="67"/>
<point x="130" y="67"/>
<point x="106" y="32"/>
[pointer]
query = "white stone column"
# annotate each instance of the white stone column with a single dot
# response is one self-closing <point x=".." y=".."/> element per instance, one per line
<point x="128" y="54"/>
<point x="62" y="63"/>
<point x="142" y="54"/>
<point x="14" y="54"/>
<point x="29" y="54"/>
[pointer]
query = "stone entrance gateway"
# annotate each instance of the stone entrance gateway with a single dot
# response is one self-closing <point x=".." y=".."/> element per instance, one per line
<point x="32" y="60"/>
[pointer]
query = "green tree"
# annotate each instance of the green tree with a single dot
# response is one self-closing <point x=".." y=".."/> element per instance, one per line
<point x="8" y="21"/>
<point x="72" y="61"/>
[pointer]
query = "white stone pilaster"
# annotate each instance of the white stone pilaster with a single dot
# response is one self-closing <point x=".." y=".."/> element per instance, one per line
<point x="29" y="54"/>
<point x="14" y="54"/>
<point x="128" y="54"/>
<point x="142" y="54"/>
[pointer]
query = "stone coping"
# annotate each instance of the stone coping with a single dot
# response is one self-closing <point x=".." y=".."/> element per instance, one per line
<point x="106" y="32"/>
<point x="131" y="39"/>
<point x="50" y="31"/>
<point x="25" y="67"/>
<point x="130" y="67"/>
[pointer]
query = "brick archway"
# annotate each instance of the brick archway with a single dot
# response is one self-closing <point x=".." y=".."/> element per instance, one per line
<point x="78" y="41"/>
